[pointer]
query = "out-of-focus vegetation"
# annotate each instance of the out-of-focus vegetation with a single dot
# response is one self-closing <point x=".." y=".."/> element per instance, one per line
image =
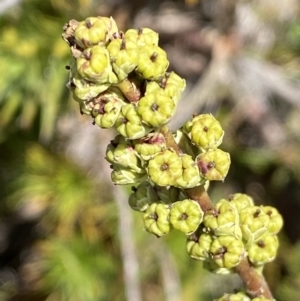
<point x="59" y="219"/>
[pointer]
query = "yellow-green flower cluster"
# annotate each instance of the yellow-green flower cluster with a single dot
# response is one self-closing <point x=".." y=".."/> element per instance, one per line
<point x="233" y="229"/>
<point x="121" y="81"/>
<point x="241" y="296"/>
<point x="109" y="66"/>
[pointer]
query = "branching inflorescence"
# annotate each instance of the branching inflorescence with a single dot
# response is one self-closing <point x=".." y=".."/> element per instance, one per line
<point x="121" y="81"/>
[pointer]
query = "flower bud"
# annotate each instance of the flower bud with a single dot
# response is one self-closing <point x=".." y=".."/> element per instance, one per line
<point x="173" y="85"/>
<point x="143" y="36"/>
<point x="240" y="296"/>
<point x="165" y="168"/>
<point x="276" y="220"/>
<point x="156" y="219"/>
<point x="263" y="250"/>
<point x="124" y="176"/>
<point x="205" y="131"/>
<point x="95" y="31"/>
<point x="156" y="109"/>
<point x="107" y="107"/>
<point x="120" y="152"/>
<point x="152" y="63"/>
<point x="83" y="90"/>
<point x="254" y="223"/>
<point x="262" y="298"/>
<point x="214" y="164"/>
<point x="198" y="246"/>
<point x="129" y="123"/>
<point x="190" y="173"/>
<point x="240" y="201"/>
<point x="124" y="55"/>
<point x="223" y="220"/>
<point x="150" y="145"/>
<point x="142" y="196"/>
<point x="94" y="65"/>
<point x="186" y="216"/>
<point x="227" y="251"/>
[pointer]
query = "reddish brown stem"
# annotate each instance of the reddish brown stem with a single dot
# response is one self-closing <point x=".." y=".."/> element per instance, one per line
<point x="130" y="90"/>
<point x="199" y="195"/>
<point x="254" y="283"/>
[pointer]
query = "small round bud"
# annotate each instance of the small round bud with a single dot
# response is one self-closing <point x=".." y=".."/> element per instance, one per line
<point x="254" y="223"/>
<point x="156" y="219"/>
<point x="240" y="296"/>
<point x="129" y="123"/>
<point x="262" y="298"/>
<point x="83" y="90"/>
<point x="107" y="107"/>
<point x="150" y="145"/>
<point x="95" y="31"/>
<point x="156" y="109"/>
<point x="186" y="216"/>
<point x="124" y="55"/>
<point x="241" y="201"/>
<point x="173" y="85"/>
<point x="223" y="219"/>
<point x="94" y="65"/>
<point x="121" y="152"/>
<point x="227" y="251"/>
<point x="165" y="168"/>
<point x="123" y="176"/>
<point x="143" y="36"/>
<point x="153" y="62"/>
<point x="276" y="220"/>
<point x="190" y="173"/>
<point x="205" y="131"/>
<point x="198" y="246"/>
<point x="263" y="250"/>
<point x="214" y="164"/>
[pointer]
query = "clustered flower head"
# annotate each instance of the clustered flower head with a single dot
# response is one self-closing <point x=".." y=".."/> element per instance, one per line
<point x="121" y="81"/>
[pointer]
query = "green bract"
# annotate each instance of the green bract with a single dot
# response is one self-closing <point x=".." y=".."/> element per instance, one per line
<point x="142" y="196"/>
<point x="186" y="216"/>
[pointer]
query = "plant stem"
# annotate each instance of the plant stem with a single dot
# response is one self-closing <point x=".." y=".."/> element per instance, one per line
<point x="254" y="282"/>
<point x="130" y="90"/>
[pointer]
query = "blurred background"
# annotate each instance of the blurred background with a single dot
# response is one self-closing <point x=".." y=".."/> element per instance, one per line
<point x="66" y="233"/>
